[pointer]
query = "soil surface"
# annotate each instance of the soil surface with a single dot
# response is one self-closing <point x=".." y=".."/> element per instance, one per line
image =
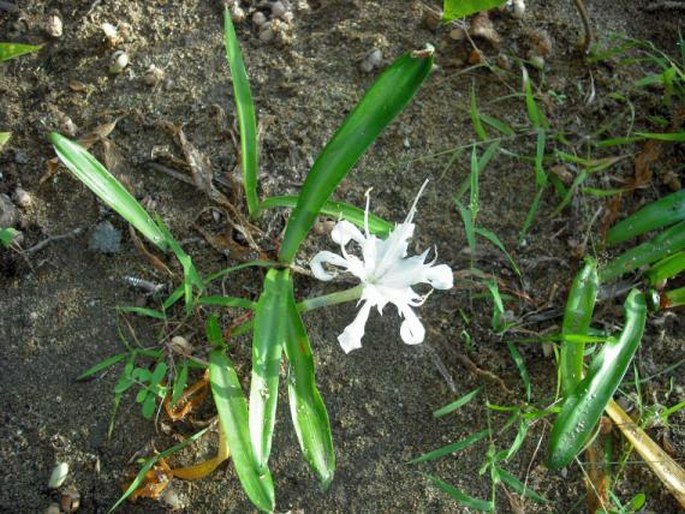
<point x="58" y="300"/>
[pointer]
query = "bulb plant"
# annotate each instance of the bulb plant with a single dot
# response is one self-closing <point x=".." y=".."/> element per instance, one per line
<point x="385" y="271"/>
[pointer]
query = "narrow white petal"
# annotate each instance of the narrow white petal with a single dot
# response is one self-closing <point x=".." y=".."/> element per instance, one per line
<point x="344" y="231"/>
<point x="351" y="338"/>
<point x="440" y="277"/>
<point x="412" y="330"/>
<point x="326" y="257"/>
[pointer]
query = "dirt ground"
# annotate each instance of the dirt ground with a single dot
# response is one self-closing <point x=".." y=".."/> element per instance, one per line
<point x="57" y="302"/>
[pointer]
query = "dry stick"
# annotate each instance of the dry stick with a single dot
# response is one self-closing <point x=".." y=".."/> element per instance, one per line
<point x="665" y="5"/>
<point x="664" y="467"/>
<point x="51" y="239"/>
<point x="582" y="10"/>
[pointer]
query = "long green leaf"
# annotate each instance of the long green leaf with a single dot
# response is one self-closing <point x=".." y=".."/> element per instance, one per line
<point x="307" y="409"/>
<point x="459" y="402"/>
<point x="232" y="408"/>
<point x="518" y="486"/>
<point x="668" y="242"/>
<point x="453" y="9"/>
<point x="11" y="50"/>
<point x="386" y="98"/>
<point x="583" y="408"/>
<point x="267" y="346"/>
<point x="4" y="138"/>
<point x="665" y="211"/>
<point x="666" y="268"/>
<point x="246" y="115"/>
<point x="341" y="210"/>
<point x="461" y="497"/>
<point x="452" y="447"/>
<point x="577" y="318"/>
<point x="88" y="170"/>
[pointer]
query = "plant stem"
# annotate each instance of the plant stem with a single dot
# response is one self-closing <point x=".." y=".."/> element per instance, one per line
<point x="330" y="299"/>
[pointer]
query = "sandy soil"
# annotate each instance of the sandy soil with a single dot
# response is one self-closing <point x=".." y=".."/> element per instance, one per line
<point x="57" y="304"/>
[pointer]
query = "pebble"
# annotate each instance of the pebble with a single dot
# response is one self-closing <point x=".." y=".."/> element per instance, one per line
<point x="278" y="9"/>
<point x="372" y="60"/>
<point x="9" y="214"/>
<point x="259" y="18"/>
<point x="53" y="508"/>
<point x="54" y="27"/>
<point x="58" y="475"/>
<point x="70" y="500"/>
<point x="22" y="198"/>
<point x="105" y="238"/>
<point x="267" y="35"/>
<point x="118" y="62"/>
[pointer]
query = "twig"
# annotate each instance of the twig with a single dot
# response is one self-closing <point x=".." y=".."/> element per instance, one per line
<point x="666" y="4"/>
<point x="51" y="239"/>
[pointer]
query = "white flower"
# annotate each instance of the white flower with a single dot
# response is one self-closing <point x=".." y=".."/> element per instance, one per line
<point x="386" y="274"/>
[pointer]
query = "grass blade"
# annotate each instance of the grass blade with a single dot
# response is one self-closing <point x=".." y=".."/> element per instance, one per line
<point x="666" y="243"/>
<point x="307" y="409"/>
<point x="518" y="486"/>
<point x="338" y="210"/>
<point x="475" y="116"/>
<point x="227" y="301"/>
<point x="11" y="50"/>
<point x="4" y="138"/>
<point x="521" y="366"/>
<point x="535" y="115"/>
<point x="583" y="408"/>
<point x="88" y="170"/>
<point x="666" y="211"/>
<point x="577" y="318"/>
<point x="463" y="498"/>
<point x="459" y="402"/>
<point x="492" y="237"/>
<point x="665" y="269"/>
<point x="452" y="447"/>
<point x="267" y="346"/>
<point x="102" y="365"/>
<point x="386" y="98"/>
<point x="232" y="408"/>
<point x="246" y="115"/>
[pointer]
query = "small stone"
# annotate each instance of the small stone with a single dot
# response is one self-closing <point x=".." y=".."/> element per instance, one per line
<point x="53" y="508"/>
<point x="118" y="62"/>
<point x="180" y="344"/>
<point x="153" y="75"/>
<point x="58" y="475"/>
<point x="259" y="18"/>
<point x="54" y="27"/>
<point x="22" y="198"/>
<point x="105" y="238"/>
<point x="70" y="500"/>
<point x="267" y="35"/>
<point x="9" y="214"/>
<point x="278" y="9"/>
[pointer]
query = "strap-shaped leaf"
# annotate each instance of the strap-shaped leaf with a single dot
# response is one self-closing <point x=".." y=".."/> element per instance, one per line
<point x="583" y="408"/>
<point x="232" y="408"/>
<point x="95" y="176"/>
<point x="665" y="211"/>
<point x="307" y="409"/>
<point x="386" y="98"/>
<point x="267" y="345"/>
<point x="664" y="244"/>
<point x="247" y="120"/>
<point x="577" y="318"/>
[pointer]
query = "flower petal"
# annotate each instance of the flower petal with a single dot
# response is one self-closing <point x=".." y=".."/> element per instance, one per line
<point x="440" y="277"/>
<point x="351" y="338"/>
<point x="344" y="231"/>
<point x="328" y="258"/>
<point x="412" y="330"/>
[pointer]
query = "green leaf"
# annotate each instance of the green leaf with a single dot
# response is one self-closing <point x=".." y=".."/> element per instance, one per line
<point x="140" y="477"/>
<point x="232" y="408"/>
<point x="668" y="242"/>
<point x="7" y="235"/>
<point x="180" y="382"/>
<point x="453" y="9"/>
<point x="386" y="98"/>
<point x="143" y="311"/>
<point x="246" y="115"/>
<point x="521" y="366"/>
<point x="475" y="116"/>
<point x="666" y="268"/>
<point x="673" y="137"/>
<point x="497" y="124"/>
<point x="461" y="497"/>
<point x="452" y="447"/>
<point x="227" y="301"/>
<point x="307" y="409"/>
<point x="492" y="237"/>
<point x="583" y="407"/>
<point x="11" y="50"/>
<point x="102" y="365"/>
<point x="267" y="346"/>
<point x="459" y="402"/>
<point x="4" y="138"/>
<point x="518" y="486"/>
<point x="535" y="115"/>
<point x="577" y="318"/>
<point x="338" y="210"/>
<point x="665" y="211"/>
<point x="88" y="170"/>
